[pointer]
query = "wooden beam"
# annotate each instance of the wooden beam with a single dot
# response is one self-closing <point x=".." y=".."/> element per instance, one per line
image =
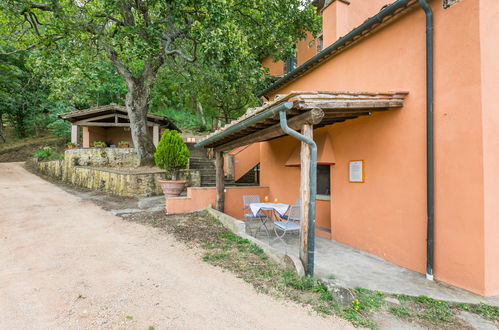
<point x="312" y="117"/>
<point x="219" y="165"/>
<point x="305" y="162"/>
<point x="340" y="106"/>
<point x="99" y="117"/>
<point x="74" y="134"/>
<point x="89" y="123"/>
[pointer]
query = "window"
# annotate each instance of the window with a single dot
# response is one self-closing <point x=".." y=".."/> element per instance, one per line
<point x="448" y="3"/>
<point x="320" y="44"/>
<point x="290" y="64"/>
<point x="323" y="180"/>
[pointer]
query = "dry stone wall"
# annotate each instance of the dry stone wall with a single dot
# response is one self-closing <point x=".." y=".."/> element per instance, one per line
<point x="110" y="169"/>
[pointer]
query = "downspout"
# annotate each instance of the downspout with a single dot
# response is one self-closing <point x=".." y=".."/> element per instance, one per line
<point x="309" y="271"/>
<point x="430" y="163"/>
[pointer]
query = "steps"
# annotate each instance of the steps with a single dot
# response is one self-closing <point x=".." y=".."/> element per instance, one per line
<point x="198" y="160"/>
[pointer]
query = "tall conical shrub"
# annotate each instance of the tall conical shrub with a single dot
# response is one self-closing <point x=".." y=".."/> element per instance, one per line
<point x="171" y="153"/>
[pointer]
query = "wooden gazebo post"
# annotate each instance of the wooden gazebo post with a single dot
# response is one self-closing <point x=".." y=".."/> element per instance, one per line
<point x="219" y="165"/>
<point x="305" y="162"/>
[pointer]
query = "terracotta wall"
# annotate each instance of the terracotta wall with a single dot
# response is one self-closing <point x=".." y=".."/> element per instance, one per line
<point x="275" y="68"/>
<point x="386" y="215"/>
<point x="199" y="198"/>
<point x="489" y="30"/>
<point x="245" y="158"/>
<point x="339" y="17"/>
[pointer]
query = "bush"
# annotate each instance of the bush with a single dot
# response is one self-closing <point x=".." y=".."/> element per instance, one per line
<point x="171" y="154"/>
<point x="46" y="153"/>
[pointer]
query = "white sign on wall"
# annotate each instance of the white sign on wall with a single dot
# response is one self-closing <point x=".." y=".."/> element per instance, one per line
<point x="356" y="171"/>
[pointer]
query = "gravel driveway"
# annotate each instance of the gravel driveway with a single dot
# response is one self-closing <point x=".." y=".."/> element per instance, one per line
<point x="66" y="263"/>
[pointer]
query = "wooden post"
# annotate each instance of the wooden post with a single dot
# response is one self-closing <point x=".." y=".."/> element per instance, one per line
<point x="155" y="135"/>
<point x="74" y="134"/>
<point x="306" y="130"/>
<point x="219" y="164"/>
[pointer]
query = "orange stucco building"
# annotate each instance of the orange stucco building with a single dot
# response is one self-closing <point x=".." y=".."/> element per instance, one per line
<point x="386" y="213"/>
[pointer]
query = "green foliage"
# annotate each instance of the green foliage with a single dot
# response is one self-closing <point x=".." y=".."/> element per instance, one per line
<point x="434" y="310"/>
<point x="123" y="143"/>
<point x="171" y="153"/>
<point x="400" y="311"/>
<point x="47" y="153"/>
<point x="99" y="144"/>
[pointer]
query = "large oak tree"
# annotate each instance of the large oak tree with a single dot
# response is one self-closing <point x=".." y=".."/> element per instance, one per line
<point x="138" y="37"/>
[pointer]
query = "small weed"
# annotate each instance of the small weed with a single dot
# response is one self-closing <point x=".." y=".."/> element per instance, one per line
<point x="215" y="257"/>
<point x="357" y="318"/>
<point x="487" y="311"/>
<point x="129" y="317"/>
<point x="301" y="283"/>
<point x="368" y="299"/>
<point x="151" y="327"/>
<point x="323" y="310"/>
<point x="255" y="249"/>
<point x="81" y="296"/>
<point x="153" y="222"/>
<point x="331" y="277"/>
<point x="400" y="311"/>
<point x="210" y="246"/>
<point x="434" y="310"/>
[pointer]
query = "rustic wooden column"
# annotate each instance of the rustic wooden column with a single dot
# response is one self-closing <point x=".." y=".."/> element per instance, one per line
<point x="307" y="131"/>
<point x="74" y="134"/>
<point x="219" y="164"/>
<point x="155" y="135"/>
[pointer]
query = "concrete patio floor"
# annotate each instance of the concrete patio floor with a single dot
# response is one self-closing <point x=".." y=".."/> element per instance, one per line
<point x="353" y="268"/>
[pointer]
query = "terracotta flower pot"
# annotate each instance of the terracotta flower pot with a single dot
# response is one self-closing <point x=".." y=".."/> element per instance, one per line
<point x="70" y="146"/>
<point x="124" y="145"/>
<point x="172" y="188"/>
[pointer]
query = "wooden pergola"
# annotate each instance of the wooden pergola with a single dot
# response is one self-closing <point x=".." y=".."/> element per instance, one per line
<point x="301" y="111"/>
<point x="112" y="116"/>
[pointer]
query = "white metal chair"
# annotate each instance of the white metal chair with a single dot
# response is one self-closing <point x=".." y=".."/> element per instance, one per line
<point x="289" y="223"/>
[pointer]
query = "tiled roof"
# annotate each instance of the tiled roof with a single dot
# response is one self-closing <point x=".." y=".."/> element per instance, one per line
<point x="337" y="107"/>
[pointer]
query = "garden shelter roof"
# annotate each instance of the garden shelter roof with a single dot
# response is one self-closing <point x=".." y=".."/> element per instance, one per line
<point x="318" y="108"/>
<point x="113" y="115"/>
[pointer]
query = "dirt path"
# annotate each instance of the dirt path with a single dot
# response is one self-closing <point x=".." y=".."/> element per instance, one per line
<point x="66" y="263"/>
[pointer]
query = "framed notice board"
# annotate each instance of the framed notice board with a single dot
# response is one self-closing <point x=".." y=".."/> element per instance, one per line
<point x="356" y="171"/>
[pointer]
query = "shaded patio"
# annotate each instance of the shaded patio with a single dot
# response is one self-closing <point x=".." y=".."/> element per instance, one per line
<point x="353" y="268"/>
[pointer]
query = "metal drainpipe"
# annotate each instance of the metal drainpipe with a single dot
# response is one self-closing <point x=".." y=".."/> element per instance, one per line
<point x="430" y="164"/>
<point x="313" y="190"/>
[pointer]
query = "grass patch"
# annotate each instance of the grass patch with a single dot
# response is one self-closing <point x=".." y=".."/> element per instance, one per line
<point x="249" y="262"/>
<point x="400" y="311"/>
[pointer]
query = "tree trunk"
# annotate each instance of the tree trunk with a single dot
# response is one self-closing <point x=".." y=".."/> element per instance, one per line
<point x="137" y="107"/>
<point x="201" y="113"/>
<point x="2" y="138"/>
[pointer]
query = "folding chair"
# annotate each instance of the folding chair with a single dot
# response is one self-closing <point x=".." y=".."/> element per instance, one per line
<point x="289" y="223"/>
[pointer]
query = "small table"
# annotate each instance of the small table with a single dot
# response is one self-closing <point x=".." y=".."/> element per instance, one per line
<point x="273" y="208"/>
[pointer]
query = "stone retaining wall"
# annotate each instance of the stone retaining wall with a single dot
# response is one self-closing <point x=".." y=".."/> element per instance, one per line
<point x="102" y="157"/>
<point x="110" y="169"/>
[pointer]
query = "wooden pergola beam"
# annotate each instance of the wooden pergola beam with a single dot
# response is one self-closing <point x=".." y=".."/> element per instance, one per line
<point x="312" y="117"/>
<point x="89" y="123"/>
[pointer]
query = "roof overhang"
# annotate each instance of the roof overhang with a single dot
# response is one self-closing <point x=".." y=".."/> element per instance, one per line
<point x="112" y="115"/>
<point x="316" y="108"/>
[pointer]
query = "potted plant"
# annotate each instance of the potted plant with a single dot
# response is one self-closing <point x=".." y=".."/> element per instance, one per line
<point x="172" y="155"/>
<point x="71" y="145"/>
<point x="124" y="144"/>
<point x="99" y="144"/>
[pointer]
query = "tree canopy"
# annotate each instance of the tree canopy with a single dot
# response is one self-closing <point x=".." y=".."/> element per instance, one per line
<point x="218" y="42"/>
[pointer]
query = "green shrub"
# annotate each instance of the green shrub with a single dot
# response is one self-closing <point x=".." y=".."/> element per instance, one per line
<point x="99" y="144"/>
<point x="171" y="154"/>
<point x="47" y="153"/>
